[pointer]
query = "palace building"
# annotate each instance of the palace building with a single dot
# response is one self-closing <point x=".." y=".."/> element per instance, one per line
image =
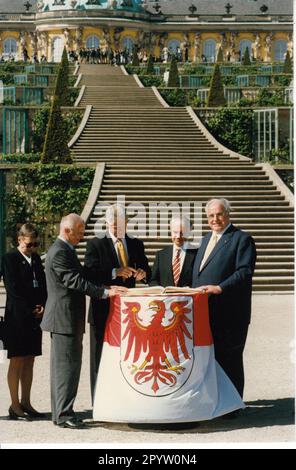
<point x="44" y="27"/>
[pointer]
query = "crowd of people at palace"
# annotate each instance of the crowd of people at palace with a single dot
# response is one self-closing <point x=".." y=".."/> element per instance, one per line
<point x="106" y="55"/>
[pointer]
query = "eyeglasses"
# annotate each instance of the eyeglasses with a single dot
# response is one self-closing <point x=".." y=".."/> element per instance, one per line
<point x="31" y="245"/>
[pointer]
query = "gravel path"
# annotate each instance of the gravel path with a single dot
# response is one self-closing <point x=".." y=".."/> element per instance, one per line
<point x="269" y="394"/>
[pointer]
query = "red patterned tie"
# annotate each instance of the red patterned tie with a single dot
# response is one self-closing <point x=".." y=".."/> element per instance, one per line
<point x="176" y="267"/>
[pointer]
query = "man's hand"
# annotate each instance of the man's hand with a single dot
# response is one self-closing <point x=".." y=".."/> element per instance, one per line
<point x="116" y="290"/>
<point x="210" y="289"/>
<point x="38" y="311"/>
<point x="140" y="274"/>
<point x="126" y="272"/>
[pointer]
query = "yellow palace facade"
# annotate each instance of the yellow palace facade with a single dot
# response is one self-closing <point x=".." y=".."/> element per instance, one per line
<point x="44" y="27"/>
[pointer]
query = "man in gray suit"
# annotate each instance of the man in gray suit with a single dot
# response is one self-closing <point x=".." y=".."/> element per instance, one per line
<point x="64" y="317"/>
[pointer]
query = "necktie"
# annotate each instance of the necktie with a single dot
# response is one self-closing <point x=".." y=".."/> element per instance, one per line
<point x="122" y="255"/>
<point x="211" y="245"/>
<point x="176" y="267"/>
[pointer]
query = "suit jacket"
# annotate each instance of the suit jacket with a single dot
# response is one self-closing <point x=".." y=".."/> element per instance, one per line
<point x="22" y="296"/>
<point x="162" y="271"/>
<point x="100" y="259"/>
<point x="231" y="266"/>
<point x="67" y="287"/>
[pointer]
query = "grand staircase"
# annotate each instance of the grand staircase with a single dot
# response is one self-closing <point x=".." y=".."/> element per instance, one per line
<point x="154" y="154"/>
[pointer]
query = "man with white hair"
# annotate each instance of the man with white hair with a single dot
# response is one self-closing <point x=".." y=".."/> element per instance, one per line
<point x="111" y="258"/>
<point x="173" y="264"/>
<point x="64" y="317"/>
<point x="223" y="268"/>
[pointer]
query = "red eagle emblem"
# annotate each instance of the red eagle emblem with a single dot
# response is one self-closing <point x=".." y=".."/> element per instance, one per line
<point x="157" y="340"/>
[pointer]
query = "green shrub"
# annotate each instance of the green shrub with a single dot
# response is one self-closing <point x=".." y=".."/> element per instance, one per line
<point x="282" y="80"/>
<point x="149" y="81"/>
<point x="177" y="97"/>
<point x="42" y="194"/>
<point x="40" y="121"/>
<point x="6" y="78"/>
<point x="173" y="81"/>
<point x="133" y="70"/>
<point x="72" y="120"/>
<point x="73" y="95"/>
<point x="234" y="129"/>
<point x="216" y="93"/>
<point x="20" y="158"/>
<point x="268" y="97"/>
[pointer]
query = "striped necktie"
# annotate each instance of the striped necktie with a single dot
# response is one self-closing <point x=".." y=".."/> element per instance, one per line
<point x="176" y="267"/>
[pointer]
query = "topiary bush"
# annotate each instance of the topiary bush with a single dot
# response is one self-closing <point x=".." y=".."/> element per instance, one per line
<point x="246" y="58"/>
<point x="55" y="147"/>
<point x="173" y="81"/>
<point x="216" y="94"/>
<point x="220" y="58"/>
<point x="288" y="68"/>
<point x="61" y="90"/>
<point x="135" y="59"/>
<point x="150" y="66"/>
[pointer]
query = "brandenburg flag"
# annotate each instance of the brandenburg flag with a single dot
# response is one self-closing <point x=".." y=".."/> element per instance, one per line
<point x="158" y="363"/>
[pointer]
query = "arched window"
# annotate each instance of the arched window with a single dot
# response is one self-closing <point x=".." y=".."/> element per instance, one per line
<point x="173" y="46"/>
<point x="92" y="42"/>
<point x="243" y="45"/>
<point x="128" y="44"/>
<point x="9" y="47"/>
<point x="57" y="49"/>
<point x="280" y="49"/>
<point x="209" y="50"/>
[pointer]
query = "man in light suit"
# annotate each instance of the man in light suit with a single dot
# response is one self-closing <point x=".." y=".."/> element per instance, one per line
<point x="104" y="265"/>
<point x="223" y="268"/>
<point x="163" y="272"/>
<point x="64" y="317"/>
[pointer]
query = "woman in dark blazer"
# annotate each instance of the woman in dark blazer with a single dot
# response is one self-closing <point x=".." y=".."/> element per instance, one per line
<point x="25" y="285"/>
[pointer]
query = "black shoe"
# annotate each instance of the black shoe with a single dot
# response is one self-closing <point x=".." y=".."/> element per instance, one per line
<point x="232" y="415"/>
<point x="32" y="413"/>
<point x="72" y="424"/>
<point x="15" y="416"/>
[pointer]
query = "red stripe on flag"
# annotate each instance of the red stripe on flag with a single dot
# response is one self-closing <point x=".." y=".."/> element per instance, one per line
<point x="202" y="335"/>
<point x="112" y="330"/>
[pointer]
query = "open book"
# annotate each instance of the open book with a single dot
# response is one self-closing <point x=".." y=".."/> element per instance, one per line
<point x="161" y="290"/>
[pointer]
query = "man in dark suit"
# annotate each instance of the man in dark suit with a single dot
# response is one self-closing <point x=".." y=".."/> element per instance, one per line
<point x="173" y="264"/>
<point x="114" y="258"/>
<point x="223" y="268"/>
<point x="64" y="317"/>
